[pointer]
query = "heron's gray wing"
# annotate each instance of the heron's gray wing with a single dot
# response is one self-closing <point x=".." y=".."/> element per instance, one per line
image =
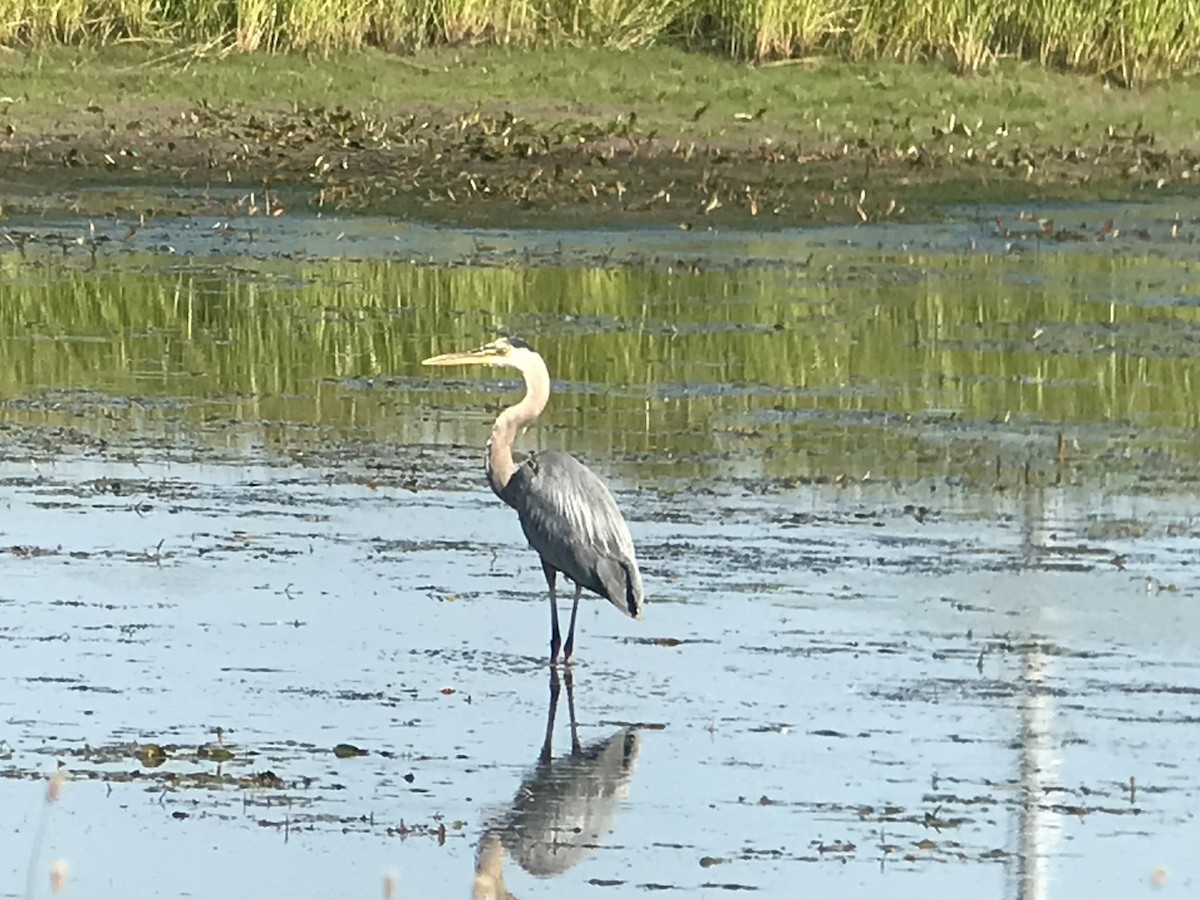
<point x="572" y="521"/>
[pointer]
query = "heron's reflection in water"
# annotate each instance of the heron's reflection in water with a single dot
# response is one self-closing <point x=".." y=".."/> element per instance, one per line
<point x="562" y="810"/>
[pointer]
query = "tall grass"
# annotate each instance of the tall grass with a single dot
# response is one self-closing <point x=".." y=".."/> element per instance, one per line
<point x="69" y="21"/>
<point x="623" y="24"/>
<point x="188" y="20"/>
<point x="1150" y="40"/>
<point x="778" y="29"/>
<point x="1063" y="33"/>
<point x="968" y="34"/>
<point x="257" y="25"/>
<point x="327" y="24"/>
<point x="402" y="24"/>
<point x="491" y="21"/>
<point x="1131" y="41"/>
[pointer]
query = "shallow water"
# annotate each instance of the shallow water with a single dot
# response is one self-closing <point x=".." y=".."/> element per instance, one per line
<point x="920" y="581"/>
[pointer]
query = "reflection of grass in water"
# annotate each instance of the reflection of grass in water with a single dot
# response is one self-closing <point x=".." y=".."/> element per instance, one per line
<point x="816" y="371"/>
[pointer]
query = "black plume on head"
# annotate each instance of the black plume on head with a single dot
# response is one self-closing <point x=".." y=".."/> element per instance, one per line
<point x="517" y="342"/>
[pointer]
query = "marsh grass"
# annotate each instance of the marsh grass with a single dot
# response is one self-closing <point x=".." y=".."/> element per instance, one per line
<point x="1063" y="33"/>
<point x="1129" y="41"/>
<point x="622" y="24"/>
<point x="1149" y="40"/>
<point x="70" y="21"/>
<point x="404" y="25"/>
<point x="326" y="25"/>
<point x="779" y="29"/>
<point x="257" y="25"/>
<point x="500" y="22"/>
<point x="967" y="34"/>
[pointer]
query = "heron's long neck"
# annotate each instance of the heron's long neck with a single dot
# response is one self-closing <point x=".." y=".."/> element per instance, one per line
<point x="500" y="465"/>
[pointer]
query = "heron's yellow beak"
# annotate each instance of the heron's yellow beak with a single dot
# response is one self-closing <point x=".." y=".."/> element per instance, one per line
<point x="489" y="355"/>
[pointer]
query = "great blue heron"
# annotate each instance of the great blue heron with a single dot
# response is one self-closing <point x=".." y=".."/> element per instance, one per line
<point x="566" y="512"/>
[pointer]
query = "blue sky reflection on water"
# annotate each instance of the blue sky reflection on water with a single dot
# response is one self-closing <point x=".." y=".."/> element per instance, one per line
<point x="860" y="701"/>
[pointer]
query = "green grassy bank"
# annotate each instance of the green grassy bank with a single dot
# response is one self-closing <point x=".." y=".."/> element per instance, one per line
<point x="579" y="137"/>
<point x="1128" y="41"/>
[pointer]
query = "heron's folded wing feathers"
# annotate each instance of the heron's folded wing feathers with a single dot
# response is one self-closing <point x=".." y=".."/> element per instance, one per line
<point x="570" y="518"/>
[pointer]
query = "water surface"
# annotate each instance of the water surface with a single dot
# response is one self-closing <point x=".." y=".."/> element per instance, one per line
<point x="916" y="528"/>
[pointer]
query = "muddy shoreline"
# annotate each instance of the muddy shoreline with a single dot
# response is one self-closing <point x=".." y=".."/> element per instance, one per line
<point x="498" y="168"/>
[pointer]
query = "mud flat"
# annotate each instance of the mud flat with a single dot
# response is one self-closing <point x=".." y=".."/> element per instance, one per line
<point x="573" y="138"/>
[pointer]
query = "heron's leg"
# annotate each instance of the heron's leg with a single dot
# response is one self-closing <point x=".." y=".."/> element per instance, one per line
<point x="575" y="749"/>
<point x="555" y="637"/>
<point x="571" y="630"/>
<point x="554" y="690"/>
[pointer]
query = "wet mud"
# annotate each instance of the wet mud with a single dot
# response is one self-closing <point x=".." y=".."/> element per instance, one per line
<point x="497" y="168"/>
<point x="916" y="524"/>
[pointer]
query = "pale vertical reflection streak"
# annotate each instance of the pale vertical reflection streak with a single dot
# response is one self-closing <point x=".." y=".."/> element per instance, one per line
<point x="1038" y="825"/>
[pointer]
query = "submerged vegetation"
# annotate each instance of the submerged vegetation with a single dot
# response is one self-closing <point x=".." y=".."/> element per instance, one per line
<point x="1128" y="41"/>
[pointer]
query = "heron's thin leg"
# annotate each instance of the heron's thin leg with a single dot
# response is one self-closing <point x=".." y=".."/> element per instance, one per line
<point x="575" y="749"/>
<point x="571" y="630"/>
<point x="555" y="637"/>
<point x="554" y="689"/>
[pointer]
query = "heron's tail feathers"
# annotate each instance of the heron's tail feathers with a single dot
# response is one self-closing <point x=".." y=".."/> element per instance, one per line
<point x="622" y="584"/>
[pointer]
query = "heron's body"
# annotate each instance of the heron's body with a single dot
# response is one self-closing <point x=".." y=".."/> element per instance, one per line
<point x="567" y="513"/>
<point x="571" y="520"/>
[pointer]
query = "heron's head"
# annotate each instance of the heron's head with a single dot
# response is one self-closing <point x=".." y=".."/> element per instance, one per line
<point x="512" y="352"/>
